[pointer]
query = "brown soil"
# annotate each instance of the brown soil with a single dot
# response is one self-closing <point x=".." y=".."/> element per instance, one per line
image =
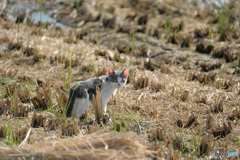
<point x="181" y="101"/>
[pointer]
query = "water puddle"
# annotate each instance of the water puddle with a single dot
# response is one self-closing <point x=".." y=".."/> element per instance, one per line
<point x="36" y="17"/>
<point x="209" y="3"/>
<point x="30" y="10"/>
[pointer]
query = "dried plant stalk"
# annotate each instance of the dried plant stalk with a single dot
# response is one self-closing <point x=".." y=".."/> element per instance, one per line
<point x="38" y="120"/>
<point x="142" y="82"/>
<point x="93" y="128"/>
<point x="97" y="105"/>
<point x="15" y="103"/>
<point x="204" y="147"/>
<point x="18" y="109"/>
<point x="24" y="96"/>
<point x="43" y="97"/>
<point x="70" y="128"/>
<point x="5" y="106"/>
<point x="157" y="134"/>
<point x="2" y="131"/>
<point x="99" y="145"/>
<point x="62" y="99"/>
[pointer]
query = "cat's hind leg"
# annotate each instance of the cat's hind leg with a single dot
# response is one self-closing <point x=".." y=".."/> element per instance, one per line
<point x="81" y="105"/>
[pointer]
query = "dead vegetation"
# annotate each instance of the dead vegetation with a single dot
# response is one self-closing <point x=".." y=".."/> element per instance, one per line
<point x="101" y="71"/>
<point x="142" y="82"/>
<point x="229" y="34"/>
<point x="191" y="121"/>
<point x="157" y="135"/>
<point x="38" y="120"/>
<point x="222" y="130"/>
<point x="229" y="54"/>
<point x="29" y="52"/>
<point x="151" y="65"/>
<point x="14" y="46"/>
<point x="182" y="40"/>
<point x="42" y="100"/>
<point x="204" y="47"/>
<point x="5" y="106"/>
<point x="104" y="145"/>
<point x="93" y="128"/>
<point x="224" y="83"/>
<point x="201" y="33"/>
<point x="70" y="127"/>
<point x="13" y="105"/>
<point x="13" y="135"/>
<point x="204" y="78"/>
<point x="64" y="60"/>
<point x="180" y="103"/>
<point x="235" y="114"/>
<point x="217" y="106"/>
<point x="24" y="95"/>
<point x="61" y="98"/>
<point x="157" y="86"/>
<point x="209" y="66"/>
<point x="10" y="89"/>
<point x="204" y="147"/>
<point x="97" y="105"/>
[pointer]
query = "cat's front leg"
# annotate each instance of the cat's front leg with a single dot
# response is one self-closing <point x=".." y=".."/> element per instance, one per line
<point x="104" y="109"/>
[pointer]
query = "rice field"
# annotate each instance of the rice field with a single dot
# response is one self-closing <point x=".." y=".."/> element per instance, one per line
<point x="181" y="101"/>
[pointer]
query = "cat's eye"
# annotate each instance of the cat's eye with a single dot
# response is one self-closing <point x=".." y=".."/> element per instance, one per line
<point x="114" y="80"/>
<point x="123" y="80"/>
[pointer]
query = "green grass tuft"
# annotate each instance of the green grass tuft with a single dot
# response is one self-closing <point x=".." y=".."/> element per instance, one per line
<point x="41" y="10"/>
<point x="131" y="61"/>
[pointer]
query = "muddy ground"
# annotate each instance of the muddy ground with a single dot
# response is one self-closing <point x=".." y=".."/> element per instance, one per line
<point x="182" y="99"/>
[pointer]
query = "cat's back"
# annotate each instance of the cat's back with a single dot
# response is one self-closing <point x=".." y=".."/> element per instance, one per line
<point x="91" y="83"/>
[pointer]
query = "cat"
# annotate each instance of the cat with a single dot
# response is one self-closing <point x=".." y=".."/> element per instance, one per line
<point x="80" y="95"/>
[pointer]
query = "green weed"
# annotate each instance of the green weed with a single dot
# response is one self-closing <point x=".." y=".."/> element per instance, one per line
<point x="132" y="116"/>
<point x="210" y="31"/>
<point x="67" y="105"/>
<point x="182" y="148"/>
<point x="198" y="143"/>
<point x="167" y="27"/>
<point x="192" y="143"/>
<point x="41" y="10"/>
<point x="125" y="58"/>
<point x="219" y="83"/>
<point x="131" y="61"/>
<point x="177" y="29"/>
<point x="70" y="71"/>
<point x="9" y="137"/>
<point x="114" y="122"/>
<point x="97" y="39"/>
<point x="239" y="144"/>
<point x="120" y="126"/>
<point x="223" y="21"/>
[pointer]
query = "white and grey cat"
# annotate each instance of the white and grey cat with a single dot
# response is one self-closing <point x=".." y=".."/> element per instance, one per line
<point x="80" y="96"/>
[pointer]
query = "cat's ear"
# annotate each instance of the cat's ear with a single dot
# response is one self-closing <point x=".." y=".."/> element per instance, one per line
<point x="110" y="71"/>
<point x="125" y="72"/>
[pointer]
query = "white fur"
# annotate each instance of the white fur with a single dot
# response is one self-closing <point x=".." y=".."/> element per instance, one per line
<point x="81" y="105"/>
<point x="108" y="91"/>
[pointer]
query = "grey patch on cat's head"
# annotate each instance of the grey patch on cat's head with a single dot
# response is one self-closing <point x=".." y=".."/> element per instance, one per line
<point x="114" y="76"/>
<point x="117" y="79"/>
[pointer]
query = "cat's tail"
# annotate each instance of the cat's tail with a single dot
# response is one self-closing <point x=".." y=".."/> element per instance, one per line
<point x="70" y="103"/>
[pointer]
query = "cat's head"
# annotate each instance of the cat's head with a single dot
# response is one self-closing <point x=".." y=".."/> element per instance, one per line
<point x="117" y="79"/>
